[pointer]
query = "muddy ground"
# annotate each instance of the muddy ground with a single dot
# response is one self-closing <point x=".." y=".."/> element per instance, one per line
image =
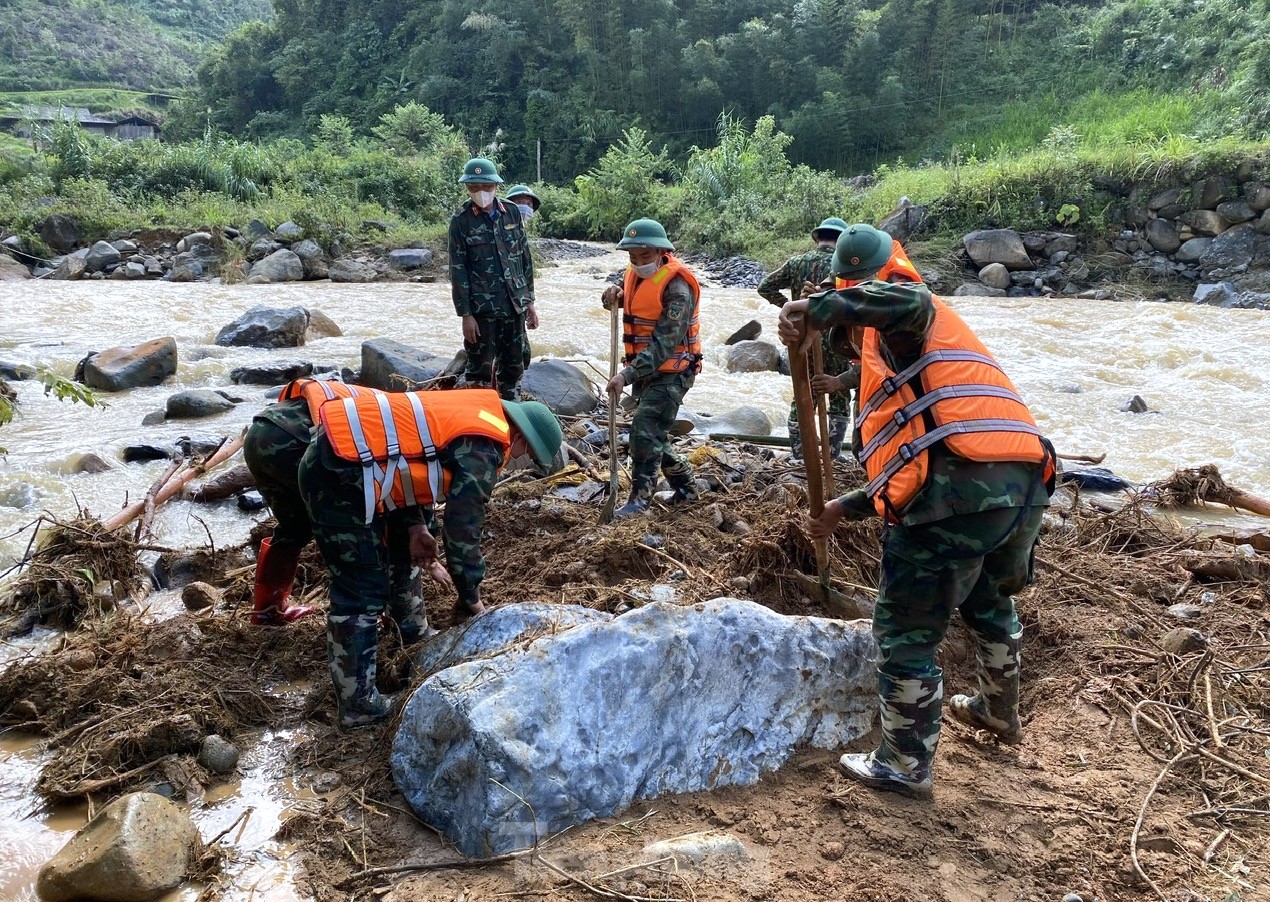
<point x="1144" y="772"/>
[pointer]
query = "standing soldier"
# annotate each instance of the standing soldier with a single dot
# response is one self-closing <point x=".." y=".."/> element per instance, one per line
<point x="524" y="198"/>
<point x="961" y="475"/>
<point x="275" y="442"/>
<point x="841" y="374"/>
<point x="491" y="281"/>
<point x="661" y="303"/>
<point x="390" y="451"/>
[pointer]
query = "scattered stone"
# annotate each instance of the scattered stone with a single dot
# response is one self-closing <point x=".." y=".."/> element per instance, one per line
<point x="698" y="706"/>
<point x="321" y="326"/>
<point x="266" y="327"/>
<point x="1183" y="640"/>
<point x="1184" y="611"/>
<point x="753" y="357"/>
<point x="280" y="266"/>
<point x="216" y="753"/>
<point x="154" y="418"/>
<point x="748" y="332"/>
<point x="995" y="275"/>
<point x="251" y="501"/>
<point x="747" y="420"/>
<point x="89" y="462"/>
<point x="326" y="782"/>
<point x="138" y="847"/>
<point x="710" y="851"/>
<point x="349" y="270"/>
<point x="134" y="454"/>
<point x="394" y="366"/>
<point x="271" y="373"/>
<point x="561" y="386"/>
<point x="199" y="596"/>
<point x="1136" y="404"/>
<point x="119" y="369"/>
<point x="16" y="372"/>
<point x="196" y="403"/>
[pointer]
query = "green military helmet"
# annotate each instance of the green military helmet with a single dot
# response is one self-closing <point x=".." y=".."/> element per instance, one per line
<point x="861" y="251"/>
<point x="829" y="230"/>
<point x="526" y="195"/>
<point x="644" y="233"/>
<point x="539" y="426"/>
<point x="480" y="171"/>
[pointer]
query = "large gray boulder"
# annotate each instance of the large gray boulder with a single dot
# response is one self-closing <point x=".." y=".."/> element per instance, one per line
<point x="745" y="420"/>
<point x="1230" y="252"/>
<point x="60" y="232"/>
<point x="266" y="327"/>
<point x="1163" y="236"/>
<point x="498" y="629"/>
<point x="280" y="266"/>
<point x="312" y="256"/>
<point x="753" y="357"/>
<point x="71" y="268"/>
<point x="119" y="369"/>
<point x="409" y="258"/>
<point x="1004" y="246"/>
<point x="995" y="275"/>
<point x="346" y="269"/>
<point x="139" y="847"/>
<point x="394" y="366"/>
<point x="906" y="220"/>
<point x="561" y="386"/>
<point x="666" y="699"/>
<point x="196" y="403"/>
<point x="11" y="270"/>
<point x="101" y="255"/>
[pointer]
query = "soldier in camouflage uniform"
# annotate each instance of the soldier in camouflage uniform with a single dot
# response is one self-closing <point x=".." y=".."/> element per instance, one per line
<point x="335" y="497"/>
<point x="963" y="542"/>
<point x="663" y="357"/>
<point x="272" y="448"/>
<point x="841" y="373"/>
<point x="491" y="282"/>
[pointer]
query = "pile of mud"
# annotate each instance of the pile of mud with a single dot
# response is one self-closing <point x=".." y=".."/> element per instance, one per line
<point x="1143" y="773"/>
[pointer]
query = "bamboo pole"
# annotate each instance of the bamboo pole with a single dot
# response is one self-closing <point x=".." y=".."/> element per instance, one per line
<point x="132" y="511"/>
<point x="811" y="449"/>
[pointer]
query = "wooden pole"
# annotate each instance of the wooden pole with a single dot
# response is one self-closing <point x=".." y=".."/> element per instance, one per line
<point x="822" y="421"/>
<point x="132" y="511"/>
<point x="806" y="409"/>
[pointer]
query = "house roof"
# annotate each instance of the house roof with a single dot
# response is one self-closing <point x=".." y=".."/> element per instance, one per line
<point x="54" y="113"/>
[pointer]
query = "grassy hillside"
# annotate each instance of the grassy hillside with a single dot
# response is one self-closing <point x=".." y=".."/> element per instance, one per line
<point x="143" y="45"/>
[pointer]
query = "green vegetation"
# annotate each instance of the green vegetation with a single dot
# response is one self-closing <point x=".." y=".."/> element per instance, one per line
<point x="60" y="387"/>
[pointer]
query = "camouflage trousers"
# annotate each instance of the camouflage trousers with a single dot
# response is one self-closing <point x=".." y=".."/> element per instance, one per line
<point x="657" y="402"/>
<point x="273" y="454"/>
<point x="365" y="560"/>
<point x="499" y="357"/>
<point x="838" y="426"/>
<point x="972" y="564"/>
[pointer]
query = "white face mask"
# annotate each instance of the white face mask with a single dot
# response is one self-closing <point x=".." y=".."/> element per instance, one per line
<point x="526" y="212"/>
<point x="482" y="198"/>
<point x="648" y="269"/>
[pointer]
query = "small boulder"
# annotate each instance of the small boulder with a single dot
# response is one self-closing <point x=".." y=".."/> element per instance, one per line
<point x="1236" y="211"/>
<point x="1136" y="404"/>
<point x="60" y="232"/>
<point x="1204" y="222"/>
<point x="1257" y="195"/>
<point x="1183" y="640"/>
<point x="100" y="256"/>
<point x="753" y="357"/>
<point x="314" y="259"/>
<point x="217" y="754"/>
<point x="748" y="332"/>
<point x="352" y="271"/>
<point x="280" y="266"/>
<point x="199" y="596"/>
<point x="1163" y="236"/>
<point x="266" y="327"/>
<point x="561" y="386"/>
<point x="11" y="270"/>
<point x="137" y="848"/>
<point x="288" y="231"/>
<point x="321" y="326"/>
<point x="119" y="369"/>
<point x="270" y="373"/>
<point x="1003" y="246"/>
<point x="409" y="258"/>
<point x="712" y="851"/>
<point x="70" y="269"/>
<point x="199" y="402"/>
<point x="1191" y="251"/>
<point x="394" y="366"/>
<point x="995" y="275"/>
<point x="1215" y="294"/>
<point x="1208" y="193"/>
<point x="16" y="372"/>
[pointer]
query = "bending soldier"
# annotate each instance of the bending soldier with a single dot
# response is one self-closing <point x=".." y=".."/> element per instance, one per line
<point x="662" y="341"/>
<point x="961" y="475"/>
<point x="392" y="451"/>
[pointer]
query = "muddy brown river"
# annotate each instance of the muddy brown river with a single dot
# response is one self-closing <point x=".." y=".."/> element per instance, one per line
<point x="1204" y="372"/>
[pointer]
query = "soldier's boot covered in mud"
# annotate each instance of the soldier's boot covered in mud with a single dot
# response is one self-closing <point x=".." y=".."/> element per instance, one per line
<point x="838" y="428"/>
<point x="995" y="707"/>
<point x="641" y="497"/>
<point x="276" y="567"/>
<point x="352" y="648"/>
<point x="910" y="714"/>
<point x="683" y="481"/>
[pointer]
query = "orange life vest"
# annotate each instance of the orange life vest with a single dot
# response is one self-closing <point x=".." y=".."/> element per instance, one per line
<point x="642" y="303"/>
<point x="317" y="392"/>
<point x="971" y="404"/>
<point x="896" y="269"/>
<point x="396" y="437"/>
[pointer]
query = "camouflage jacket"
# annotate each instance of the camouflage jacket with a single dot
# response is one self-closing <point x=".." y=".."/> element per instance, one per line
<point x="903" y="313"/>
<point x="812" y="267"/>
<point x="491" y="270"/>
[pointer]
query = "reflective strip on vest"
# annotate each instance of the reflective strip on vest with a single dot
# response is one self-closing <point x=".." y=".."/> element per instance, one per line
<point x="429" y="447"/>
<point x="907" y="452"/>
<point x="892" y="384"/>
<point x="905" y="415"/>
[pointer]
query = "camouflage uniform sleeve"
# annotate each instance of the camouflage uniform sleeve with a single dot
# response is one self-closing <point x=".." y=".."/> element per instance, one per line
<point x="857" y="505"/>
<point x="473" y="464"/>
<point x="895" y="310"/>
<point x="460" y="288"/>
<point x="668" y="334"/>
<point x="774" y="282"/>
<point x="851" y="377"/>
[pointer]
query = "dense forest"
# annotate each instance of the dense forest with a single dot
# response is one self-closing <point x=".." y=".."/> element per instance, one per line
<point x="853" y="82"/>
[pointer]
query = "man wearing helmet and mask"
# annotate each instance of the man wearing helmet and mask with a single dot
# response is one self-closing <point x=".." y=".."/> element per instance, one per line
<point x="491" y="281"/>
<point x="660" y="299"/>
<point x="961" y="475"/>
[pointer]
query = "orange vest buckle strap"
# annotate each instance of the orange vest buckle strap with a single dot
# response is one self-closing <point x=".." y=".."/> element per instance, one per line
<point x="891" y="384"/>
<point x="318" y="391"/>
<point x="902" y="416"/>
<point x="907" y="452"/>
